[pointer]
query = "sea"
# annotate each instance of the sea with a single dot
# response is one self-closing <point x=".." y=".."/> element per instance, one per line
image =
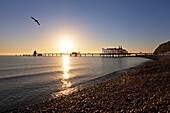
<point x="29" y="80"/>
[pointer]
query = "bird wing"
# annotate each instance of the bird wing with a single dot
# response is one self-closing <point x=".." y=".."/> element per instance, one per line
<point x="38" y="22"/>
<point x="33" y="18"/>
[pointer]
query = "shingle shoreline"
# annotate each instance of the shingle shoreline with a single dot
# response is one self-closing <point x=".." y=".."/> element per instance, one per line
<point x="145" y="89"/>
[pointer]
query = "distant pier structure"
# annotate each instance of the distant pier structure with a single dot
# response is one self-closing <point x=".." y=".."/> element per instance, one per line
<point x="119" y="50"/>
<point x="88" y="54"/>
<point x="35" y="53"/>
<point x="108" y="52"/>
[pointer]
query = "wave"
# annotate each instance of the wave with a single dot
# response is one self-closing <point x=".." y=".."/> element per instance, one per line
<point x="30" y="75"/>
<point x="28" y="68"/>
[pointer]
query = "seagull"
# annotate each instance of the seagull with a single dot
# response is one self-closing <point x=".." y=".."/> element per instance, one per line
<point x="35" y="20"/>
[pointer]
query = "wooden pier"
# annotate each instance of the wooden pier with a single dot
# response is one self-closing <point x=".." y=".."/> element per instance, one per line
<point x="109" y="55"/>
<point x="90" y="54"/>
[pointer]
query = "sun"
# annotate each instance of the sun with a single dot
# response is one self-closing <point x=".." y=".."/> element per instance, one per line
<point x="66" y="46"/>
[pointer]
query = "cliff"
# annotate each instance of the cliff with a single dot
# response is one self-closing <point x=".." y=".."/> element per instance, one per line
<point x="163" y="48"/>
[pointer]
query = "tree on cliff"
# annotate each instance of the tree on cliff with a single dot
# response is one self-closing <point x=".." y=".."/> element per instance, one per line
<point x="163" y="48"/>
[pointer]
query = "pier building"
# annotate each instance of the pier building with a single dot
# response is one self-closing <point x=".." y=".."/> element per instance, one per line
<point x="114" y="50"/>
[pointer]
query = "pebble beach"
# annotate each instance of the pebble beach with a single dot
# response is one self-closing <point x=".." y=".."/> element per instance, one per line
<point x="145" y="89"/>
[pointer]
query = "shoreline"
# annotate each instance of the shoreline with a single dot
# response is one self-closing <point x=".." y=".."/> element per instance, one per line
<point x="88" y="98"/>
<point x="82" y="85"/>
<point x="111" y="75"/>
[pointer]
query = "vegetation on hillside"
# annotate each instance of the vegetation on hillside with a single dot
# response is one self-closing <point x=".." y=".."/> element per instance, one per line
<point x="163" y="48"/>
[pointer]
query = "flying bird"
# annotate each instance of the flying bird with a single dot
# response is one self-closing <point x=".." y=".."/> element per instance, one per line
<point x="35" y="20"/>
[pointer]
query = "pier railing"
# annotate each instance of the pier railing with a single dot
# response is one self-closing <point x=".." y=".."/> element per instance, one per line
<point x="145" y="55"/>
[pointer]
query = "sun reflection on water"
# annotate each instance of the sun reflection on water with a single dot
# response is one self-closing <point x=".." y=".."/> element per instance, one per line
<point x="66" y="75"/>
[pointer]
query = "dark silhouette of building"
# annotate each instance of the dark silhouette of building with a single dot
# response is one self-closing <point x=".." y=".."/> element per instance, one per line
<point x="74" y="53"/>
<point x="35" y="53"/>
<point x="39" y="54"/>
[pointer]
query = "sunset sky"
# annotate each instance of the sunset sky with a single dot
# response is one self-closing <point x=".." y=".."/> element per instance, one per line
<point x="82" y="25"/>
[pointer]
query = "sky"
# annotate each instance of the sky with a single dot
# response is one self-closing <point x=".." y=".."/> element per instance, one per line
<point x="82" y="25"/>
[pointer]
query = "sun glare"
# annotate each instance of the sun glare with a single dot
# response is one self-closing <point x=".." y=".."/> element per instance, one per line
<point x="66" y="75"/>
<point x="66" y="46"/>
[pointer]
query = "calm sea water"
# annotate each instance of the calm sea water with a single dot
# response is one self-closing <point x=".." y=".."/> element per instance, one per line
<point x="29" y="80"/>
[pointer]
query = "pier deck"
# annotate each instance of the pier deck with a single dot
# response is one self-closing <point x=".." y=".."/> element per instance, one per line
<point x="111" y="55"/>
<point x="91" y="54"/>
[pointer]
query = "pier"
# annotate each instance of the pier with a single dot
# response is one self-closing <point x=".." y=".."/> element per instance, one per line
<point x="111" y="55"/>
<point x="91" y="54"/>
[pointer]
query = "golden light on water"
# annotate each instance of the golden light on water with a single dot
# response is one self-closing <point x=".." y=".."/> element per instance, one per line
<point x="66" y="84"/>
<point x="65" y="89"/>
<point x="66" y="63"/>
<point x="66" y="75"/>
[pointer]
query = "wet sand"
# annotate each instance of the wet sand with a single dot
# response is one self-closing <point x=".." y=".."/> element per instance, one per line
<point x="145" y="89"/>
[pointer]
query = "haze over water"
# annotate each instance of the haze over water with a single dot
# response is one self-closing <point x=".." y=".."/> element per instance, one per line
<point x="29" y="80"/>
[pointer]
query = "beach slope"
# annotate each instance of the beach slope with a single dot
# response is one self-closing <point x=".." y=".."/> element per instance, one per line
<point x="142" y="90"/>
